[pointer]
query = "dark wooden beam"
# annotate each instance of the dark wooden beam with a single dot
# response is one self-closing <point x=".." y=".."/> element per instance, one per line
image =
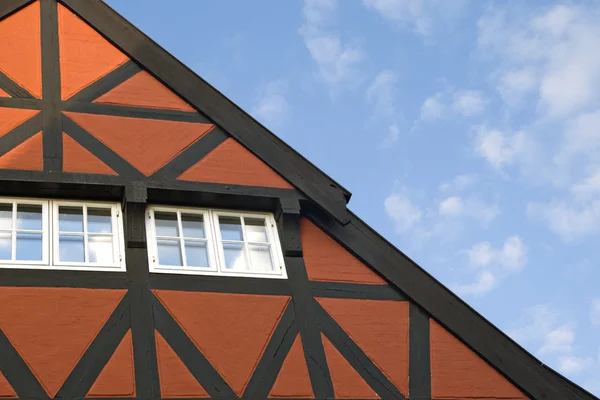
<point x="9" y="7"/>
<point x="288" y="221"/>
<point x="343" y="290"/>
<point x="270" y="363"/>
<point x="20" y="134"/>
<point x="105" y="84"/>
<point x="356" y="357"/>
<point x="191" y="155"/>
<point x="97" y="355"/>
<point x="501" y="352"/>
<point x="419" y="364"/>
<point x="70" y="279"/>
<point x="17" y="372"/>
<point x="219" y="284"/>
<point x="140" y="297"/>
<point x="134" y="112"/>
<point x="315" y="184"/>
<point x="100" y="150"/>
<point x="29" y="104"/>
<point x="13" y="88"/>
<point x="51" y="87"/>
<point x="194" y="360"/>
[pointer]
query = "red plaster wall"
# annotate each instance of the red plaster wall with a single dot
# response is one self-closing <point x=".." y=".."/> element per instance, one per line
<point x="176" y="381"/>
<point x="459" y="373"/>
<point x="26" y="156"/>
<point x="117" y="379"/>
<point x="147" y="144"/>
<point x="380" y="328"/>
<point x="232" y="163"/>
<point x="143" y="90"/>
<point x="51" y="328"/>
<point x="293" y="379"/>
<point x="85" y="56"/>
<point x="327" y="260"/>
<point x="20" y="47"/>
<point x="231" y="330"/>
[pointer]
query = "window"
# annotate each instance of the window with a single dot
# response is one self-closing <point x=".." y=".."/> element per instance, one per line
<point x="212" y="242"/>
<point x="63" y="235"/>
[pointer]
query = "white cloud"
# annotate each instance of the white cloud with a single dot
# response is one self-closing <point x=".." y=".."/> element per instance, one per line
<point x="404" y="213"/>
<point x="481" y="255"/>
<point x="512" y="255"/>
<point x="499" y="149"/>
<point x="456" y="206"/>
<point x="574" y="365"/>
<point x="380" y="94"/>
<point x="559" y="44"/>
<point x="423" y="15"/>
<point x="459" y="183"/>
<point x="272" y="107"/>
<point x="433" y="108"/>
<point x="392" y="136"/>
<point x="558" y="340"/>
<point x="570" y="222"/>
<point x="595" y="317"/>
<point x="336" y="61"/>
<point x="451" y="206"/>
<point x="515" y="83"/>
<point x="484" y="282"/>
<point x="468" y="102"/>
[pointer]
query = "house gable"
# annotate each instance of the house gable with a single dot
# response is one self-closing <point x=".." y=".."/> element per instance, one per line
<point x="128" y="118"/>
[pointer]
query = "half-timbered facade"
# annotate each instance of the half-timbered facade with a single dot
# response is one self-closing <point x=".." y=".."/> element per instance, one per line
<point x="156" y="242"/>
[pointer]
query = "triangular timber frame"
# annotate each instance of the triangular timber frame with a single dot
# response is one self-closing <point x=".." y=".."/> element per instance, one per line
<point x="323" y="200"/>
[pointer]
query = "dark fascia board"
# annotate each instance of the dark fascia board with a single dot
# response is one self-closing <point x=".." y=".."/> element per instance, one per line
<point x="306" y="177"/>
<point x="8" y="7"/>
<point x="501" y="352"/>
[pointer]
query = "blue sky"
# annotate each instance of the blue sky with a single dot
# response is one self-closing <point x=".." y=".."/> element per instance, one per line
<point x="466" y="130"/>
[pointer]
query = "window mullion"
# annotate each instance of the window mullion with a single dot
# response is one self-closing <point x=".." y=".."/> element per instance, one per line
<point x="85" y="236"/>
<point x="13" y="250"/>
<point x="181" y="240"/>
<point x="245" y="245"/>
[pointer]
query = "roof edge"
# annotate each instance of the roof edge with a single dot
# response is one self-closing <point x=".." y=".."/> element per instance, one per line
<point x="500" y="351"/>
<point x="301" y="173"/>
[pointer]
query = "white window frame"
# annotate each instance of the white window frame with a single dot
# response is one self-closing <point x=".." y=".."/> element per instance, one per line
<point x="26" y="264"/>
<point x="50" y="237"/>
<point x="153" y="242"/>
<point x="214" y="243"/>
<point x="117" y="235"/>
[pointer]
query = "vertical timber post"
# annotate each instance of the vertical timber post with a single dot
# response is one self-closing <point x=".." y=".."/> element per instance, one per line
<point x="142" y="317"/>
<point x="288" y="223"/>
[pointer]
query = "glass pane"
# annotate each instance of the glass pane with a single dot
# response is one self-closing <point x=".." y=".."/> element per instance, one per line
<point x="260" y="258"/>
<point x="29" y="217"/>
<point x="193" y="225"/>
<point x="99" y="220"/>
<point x="71" y="249"/>
<point x="166" y="224"/>
<point x="256" y="230"/>
<point x="234" y="256"/>
<point x="101" y="249"/>
<point x="5" y="246"/>
<point x="231" y="228"/>
<point x="196" y="254"/>
<point x="169" y="252"/>
<point x="6" y="216"/>
<point x="70" y="219"/>
<point x="29" y="246"/>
